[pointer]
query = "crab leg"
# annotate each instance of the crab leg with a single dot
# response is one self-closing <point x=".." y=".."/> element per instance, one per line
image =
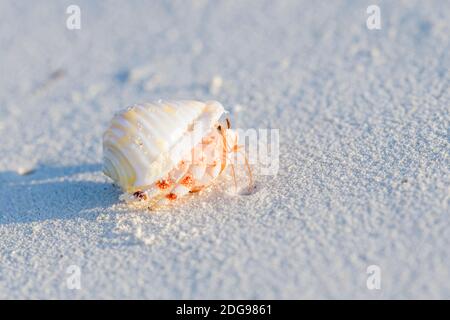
<point x="211" y="173"/>
<point x="160" y="187"/>
<point x="189" y="184"/>
<point x="184" y="185"/>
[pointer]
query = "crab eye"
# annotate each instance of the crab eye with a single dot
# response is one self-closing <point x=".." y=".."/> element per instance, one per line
<point x="228" y="123"/>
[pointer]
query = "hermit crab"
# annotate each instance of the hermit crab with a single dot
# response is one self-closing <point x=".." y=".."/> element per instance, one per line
<point x="161" y="151"/>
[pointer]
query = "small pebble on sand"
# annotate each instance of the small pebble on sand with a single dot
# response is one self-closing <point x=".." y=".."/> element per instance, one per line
<point x="25" y="170"/>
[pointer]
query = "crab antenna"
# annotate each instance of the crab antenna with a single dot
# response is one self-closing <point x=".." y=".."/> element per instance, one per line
<point x="235" y="148"/>
<point x="249" y="170"/>
<point x="233" y="173"/>
<point x="224" y="147"/>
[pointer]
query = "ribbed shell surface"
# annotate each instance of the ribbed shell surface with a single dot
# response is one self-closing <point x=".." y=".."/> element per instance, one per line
<point x="145" y="141"/>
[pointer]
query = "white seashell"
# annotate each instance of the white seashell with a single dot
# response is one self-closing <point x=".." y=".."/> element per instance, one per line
<point x="165" y="149"/>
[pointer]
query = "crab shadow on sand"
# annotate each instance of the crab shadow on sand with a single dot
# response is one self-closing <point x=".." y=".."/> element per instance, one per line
<point x="50" y="193"/>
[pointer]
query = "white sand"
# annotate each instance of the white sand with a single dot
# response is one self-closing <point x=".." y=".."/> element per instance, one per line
<point x="364" y="167"/>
